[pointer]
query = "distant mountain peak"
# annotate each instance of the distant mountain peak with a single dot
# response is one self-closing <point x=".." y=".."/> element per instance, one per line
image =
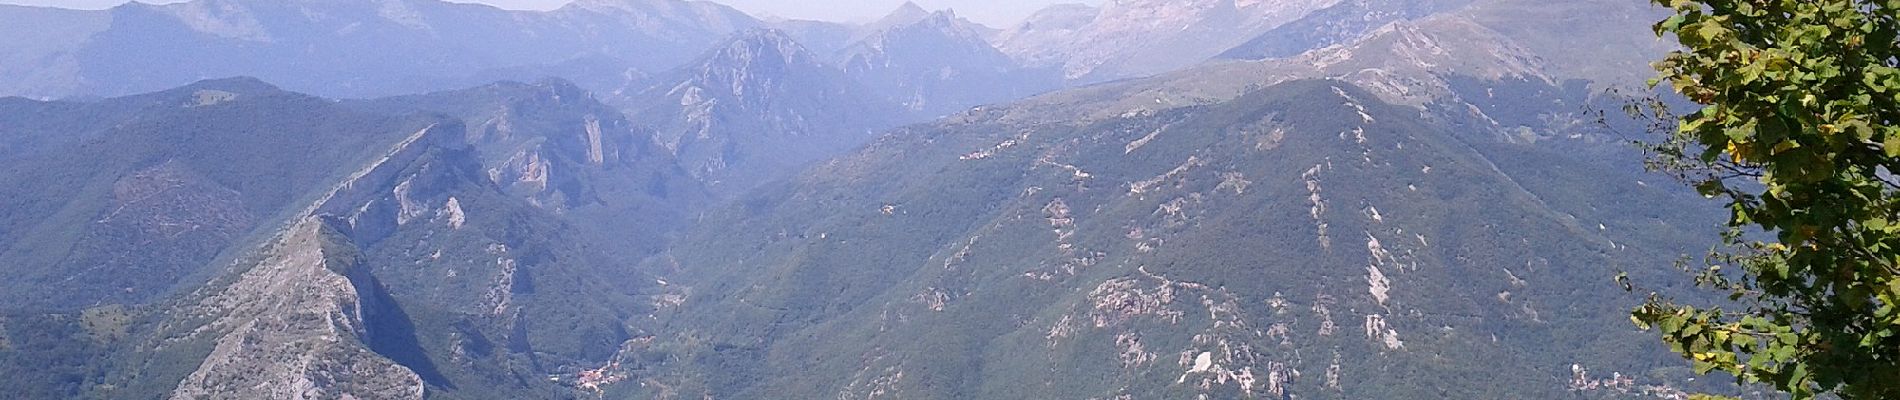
<point x="762" y="35"/>
<point x="907" y="14"/>
<point x="207" y="15"/>
<point x="1060" y="17"/>
<point x="1126" y="38"/>
<point x="1341" y="23"/>
<point x="623" y="4"/>
<point x="758" y="105"/>
<point x="239" y="84"/>
<point x="562" y="87"/>
<point x="218" y="91"/>
<point x="555" y="88"/>
<point x="946" y="17"/>
<point x="752" y="49"/>
<point x="936" y="63"/>
<point x="910" y="10"/>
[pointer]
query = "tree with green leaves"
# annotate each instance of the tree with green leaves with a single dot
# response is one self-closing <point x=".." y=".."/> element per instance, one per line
<point x="1796" y="133"/>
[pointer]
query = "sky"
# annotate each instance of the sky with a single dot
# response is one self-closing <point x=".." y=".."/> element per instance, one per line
<point x="995" y="13"/>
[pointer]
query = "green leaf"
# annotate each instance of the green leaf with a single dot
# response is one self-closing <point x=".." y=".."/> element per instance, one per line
<point x="1797" y="377"/>
<point x="1892" y="145"/>
<point x="1673" y="24"/>
<point x="1710" y="188"/>
<point x="1785" y="146"/>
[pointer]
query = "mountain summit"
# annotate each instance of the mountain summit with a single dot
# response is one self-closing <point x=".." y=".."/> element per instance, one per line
<point x="938" y="63"/>
<point x="756" y="106"/>
<point x="905" y="14"/>
<point x="1133" y="38"/>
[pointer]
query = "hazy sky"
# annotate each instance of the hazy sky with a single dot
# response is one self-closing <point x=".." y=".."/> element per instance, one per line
<point x="995" y="13"/>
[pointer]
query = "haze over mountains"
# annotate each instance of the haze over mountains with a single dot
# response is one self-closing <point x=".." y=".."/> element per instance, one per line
<point x="673" y="199"/>
<point x="989" y="12"/>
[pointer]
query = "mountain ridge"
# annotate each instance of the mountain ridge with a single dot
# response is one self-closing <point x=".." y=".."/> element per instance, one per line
<point x="1117" y="247"/>
<point x="756" y="106"/>
<point x="128" y="170"/>
<point x="443" y="278"/>
<point x="1137" y="38"/>
<point x="937" y="63"/>
<point x="1397" y="201"/>
<point x="390" y="44"/>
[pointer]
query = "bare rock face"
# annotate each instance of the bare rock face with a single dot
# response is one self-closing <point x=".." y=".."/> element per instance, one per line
<point x="319" y="311"/>
<point x="328" y="230"/>
<point x="294" y="329"/>
<point x="297" y="323"/>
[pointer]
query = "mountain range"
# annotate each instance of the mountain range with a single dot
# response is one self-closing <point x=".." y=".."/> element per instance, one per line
<point x="342" y="48"/>
<point x="759" y="104"/>
<point x="1304" y="240"/>
<point x="937" y="63"/>
<point x="668" y="199"/>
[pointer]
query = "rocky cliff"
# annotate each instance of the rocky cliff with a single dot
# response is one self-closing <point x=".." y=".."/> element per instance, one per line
<point x="296" y="326"/>
<point x="300" y="321"/>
